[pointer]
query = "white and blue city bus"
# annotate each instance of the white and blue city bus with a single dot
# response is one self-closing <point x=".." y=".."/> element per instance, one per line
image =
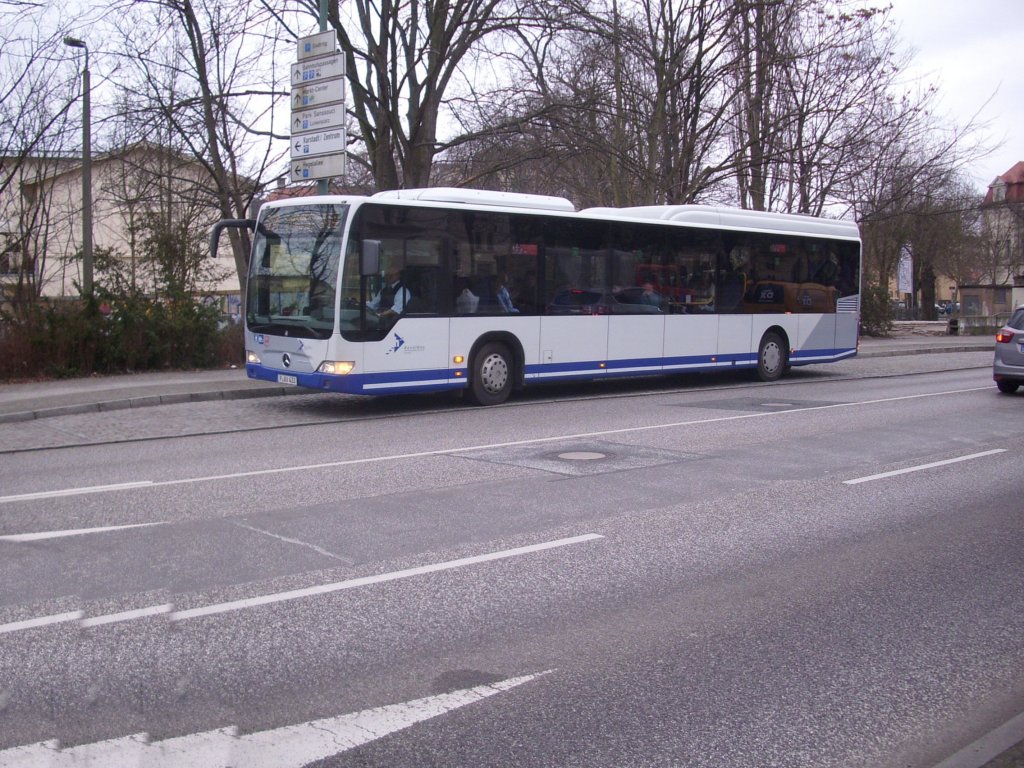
<point x="501" y="290"/>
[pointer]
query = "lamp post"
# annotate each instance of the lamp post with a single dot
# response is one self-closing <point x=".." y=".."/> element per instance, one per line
<point x="74" y="42"/>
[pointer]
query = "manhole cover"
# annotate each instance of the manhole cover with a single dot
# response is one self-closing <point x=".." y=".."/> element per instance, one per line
<point x="581" y="455"/>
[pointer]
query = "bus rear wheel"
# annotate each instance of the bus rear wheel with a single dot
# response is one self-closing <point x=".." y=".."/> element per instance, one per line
<point x="772" y="358"/>
<point x="492" y="376"/>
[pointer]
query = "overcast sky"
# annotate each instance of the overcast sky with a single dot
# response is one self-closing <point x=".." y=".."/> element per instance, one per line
<point x="973" y="50"/>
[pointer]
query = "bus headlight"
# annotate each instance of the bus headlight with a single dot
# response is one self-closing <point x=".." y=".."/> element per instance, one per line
<point x="336" y="367"/>
<point x="252" y="357"/>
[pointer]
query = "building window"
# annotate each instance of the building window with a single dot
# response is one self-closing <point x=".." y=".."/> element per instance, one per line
<point x="8" y="254"/>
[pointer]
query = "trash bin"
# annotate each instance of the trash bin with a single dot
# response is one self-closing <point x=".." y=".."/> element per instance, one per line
<point x="954" y="326"/>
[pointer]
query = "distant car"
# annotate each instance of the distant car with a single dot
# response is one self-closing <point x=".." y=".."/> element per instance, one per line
<point x="1008" y="366"/>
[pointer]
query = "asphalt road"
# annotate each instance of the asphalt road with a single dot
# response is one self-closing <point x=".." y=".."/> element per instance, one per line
<point x="694" y="572"/>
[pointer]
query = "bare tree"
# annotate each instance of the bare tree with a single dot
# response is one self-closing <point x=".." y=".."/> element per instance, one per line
<point x="627" y="104"/>
<point x="205" y="70"/>
<point x="402" y="57"/>
<point x="815" y="80"/>
<point x="38" y="87"/>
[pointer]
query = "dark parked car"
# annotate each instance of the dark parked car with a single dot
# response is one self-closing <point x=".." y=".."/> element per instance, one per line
<point x="1008" y="367"/>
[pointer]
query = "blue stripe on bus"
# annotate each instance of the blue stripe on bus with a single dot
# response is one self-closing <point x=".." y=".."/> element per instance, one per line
<point x="397" y="382"/>
<point x="367" y="383"/>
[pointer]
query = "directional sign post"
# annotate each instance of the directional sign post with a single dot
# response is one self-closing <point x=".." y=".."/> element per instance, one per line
<point x="322" y="167"/>
<point x="318" y="70"/>
<point x="318" y="119"/>
<point x="318" y="109"/>
<point x="314" y="46"/>
<point x="321" y="143"/>
<point x="318" y="95"/>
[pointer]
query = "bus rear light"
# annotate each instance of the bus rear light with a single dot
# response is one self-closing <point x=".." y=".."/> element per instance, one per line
<point x="252" y="357"/>
<point x="1004" y="338"/>
<point x="336" y="367"/>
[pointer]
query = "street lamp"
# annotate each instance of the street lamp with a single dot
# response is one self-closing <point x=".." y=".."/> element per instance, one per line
<point x="74" y="42"/>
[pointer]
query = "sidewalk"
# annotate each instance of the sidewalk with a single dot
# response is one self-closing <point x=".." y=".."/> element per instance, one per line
<point x="37" y="400"/>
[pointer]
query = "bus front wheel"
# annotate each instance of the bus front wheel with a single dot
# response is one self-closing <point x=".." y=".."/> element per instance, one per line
<point x="772" y="358"/>
<point x="491" y="380"/>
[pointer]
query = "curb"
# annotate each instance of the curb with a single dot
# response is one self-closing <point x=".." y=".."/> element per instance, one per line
<point x="246" y="393"/>
<point x="147" y="402"/>
<point x="925" y="351"/>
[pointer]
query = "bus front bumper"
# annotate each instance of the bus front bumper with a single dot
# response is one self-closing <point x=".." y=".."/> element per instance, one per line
<point x="363" y="383"/>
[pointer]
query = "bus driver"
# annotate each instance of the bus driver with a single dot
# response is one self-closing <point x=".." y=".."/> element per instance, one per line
<point x="393" y="296"/>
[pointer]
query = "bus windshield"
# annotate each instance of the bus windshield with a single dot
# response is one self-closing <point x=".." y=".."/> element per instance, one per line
<point x="293" y="274"/>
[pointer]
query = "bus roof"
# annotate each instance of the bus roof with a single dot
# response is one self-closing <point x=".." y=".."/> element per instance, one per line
<point x="480" y="197"/>
<point x="700" y="215"/>
<point x="737" y="218"/>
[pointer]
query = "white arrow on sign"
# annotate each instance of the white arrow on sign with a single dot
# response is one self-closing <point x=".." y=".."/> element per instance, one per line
<point x="321" y="167"/>
<point x="316" y="70"/>
<point x="318" y="94"/>
<point x="320" y="143"/>
<point x="319" y="119"/>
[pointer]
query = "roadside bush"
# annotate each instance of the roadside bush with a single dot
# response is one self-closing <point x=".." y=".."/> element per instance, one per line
<point x="875" y="311"/>
<point x="114" y="334"/>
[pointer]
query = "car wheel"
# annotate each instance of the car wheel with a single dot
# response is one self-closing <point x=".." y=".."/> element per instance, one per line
<point x="1007" y="387"/>
<point x="772" y="357"/>
<point x="492" y="375"/>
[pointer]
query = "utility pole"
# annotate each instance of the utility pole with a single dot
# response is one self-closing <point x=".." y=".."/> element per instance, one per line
<point x="73" y="42"/>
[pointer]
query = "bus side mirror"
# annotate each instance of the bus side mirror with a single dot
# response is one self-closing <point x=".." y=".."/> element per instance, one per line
<point x="369" y="258"/>
<point x="224" y="223"/>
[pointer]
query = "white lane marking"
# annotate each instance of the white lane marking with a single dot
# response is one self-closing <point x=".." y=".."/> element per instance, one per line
<point x="470" y="448"/>
<point x="322" y="589"/>
<point x="988" y="747"/>
<point x="299" y="542"/>
<point x="290" y="746"/>
<point x="42" y="754"/>
<point x="74" y="491"/>
<point x="294" y="594"/>
<point x="41" y="535"/>
<point x="918" y="468"/>
<point x="40" y="621"/>
<point x="114" y="618"/>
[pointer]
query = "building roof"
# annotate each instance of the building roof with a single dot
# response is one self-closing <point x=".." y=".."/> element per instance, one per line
<point x="305" y="189"/>
<point x="1013" y="181"/>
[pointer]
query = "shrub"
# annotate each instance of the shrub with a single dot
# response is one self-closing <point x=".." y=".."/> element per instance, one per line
<point x="875" y="311"/>
<point x="114" y="334"/>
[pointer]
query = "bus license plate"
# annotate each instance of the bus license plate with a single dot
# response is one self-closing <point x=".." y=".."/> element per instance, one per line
<point x="283" y="378"/>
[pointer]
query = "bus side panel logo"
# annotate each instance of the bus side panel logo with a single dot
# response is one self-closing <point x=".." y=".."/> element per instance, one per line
<point x="399" y="341"/>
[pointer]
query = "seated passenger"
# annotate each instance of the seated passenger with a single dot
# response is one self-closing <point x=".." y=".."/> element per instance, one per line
<point x="466" y="302"/>
<point x="649" y="296"/>
<point x="504" y="297"/>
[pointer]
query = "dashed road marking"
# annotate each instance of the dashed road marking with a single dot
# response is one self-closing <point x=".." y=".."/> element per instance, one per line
<point x="294" y="594"/>
<point x="43" y="535"/>
<point x="919" y="467"/>
<point x="467" y="449"/>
